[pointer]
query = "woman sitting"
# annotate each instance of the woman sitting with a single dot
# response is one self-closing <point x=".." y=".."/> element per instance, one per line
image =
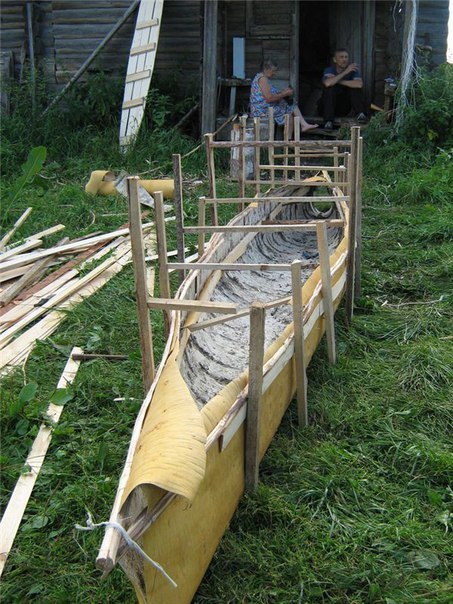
<point x="264" y="95"/>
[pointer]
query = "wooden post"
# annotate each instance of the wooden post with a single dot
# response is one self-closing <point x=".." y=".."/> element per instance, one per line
<point x="299" y="352"/>
<point x="257" y="129"/>
<point x="321" y="231"/>
<point x="209" y="74"/>
<point x="201" y="223"/>
<point x="179" y="212"/>
<point x="211" y="176"/>
<point x="242" y="162"/>
<point x="31" y="54"/>
<point x="271" y="138"/>
<point x="138" y="261"/>
<point x="352" y="189"/>
<point x="358" y="249"/>
<point x="164" y="280"/>
<point x="256" y="359"/>
<point x="347" y="175"/>
<point x="286" y="138"/>
<point x="297" y="176"/>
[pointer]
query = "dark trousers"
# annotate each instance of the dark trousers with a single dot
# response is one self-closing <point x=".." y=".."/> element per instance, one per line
<point x="339" y="100"/>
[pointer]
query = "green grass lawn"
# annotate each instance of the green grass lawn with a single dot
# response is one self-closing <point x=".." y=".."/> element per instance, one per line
<point x="355" y="508"/>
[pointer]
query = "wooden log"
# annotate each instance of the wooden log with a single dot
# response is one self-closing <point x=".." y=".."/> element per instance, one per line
<point x="164" y="278"/>
<point x="211" y="175"/>
<point x="299" y="352"/>
<point x="201" y="224"/>
<point x="352" y="165"/>
<point x="19" y="499"/>
<point x="326" y="280"/>
<point x="179" y="211"/>
<point x="195" y="305"/>
<point x="19" y="222"/>
<point x="141" y="292"/>
<point x="255" y="380"/>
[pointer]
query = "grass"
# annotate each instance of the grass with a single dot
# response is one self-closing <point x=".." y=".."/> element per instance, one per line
<point x="357" y="507"/>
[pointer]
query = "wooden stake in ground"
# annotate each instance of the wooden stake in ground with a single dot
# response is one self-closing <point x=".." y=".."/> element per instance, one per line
<point x="353" y="165"/>
<point x="256" y="359"/>
<point x="138" y="259"/>
<point x="164" y="279"/>
<point x="323" y="248"/>
<point x="299" y="352"/>
<point x="179" y="211"/>
<point x="201" y="223"/>
<point x="358" y="249"/>
<point x="209" y="138"/>
<point x="18" y="502"/>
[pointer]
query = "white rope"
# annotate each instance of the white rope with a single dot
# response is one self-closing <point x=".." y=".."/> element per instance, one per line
<point x="409" y="65"/>
<point x="91" y="526"/>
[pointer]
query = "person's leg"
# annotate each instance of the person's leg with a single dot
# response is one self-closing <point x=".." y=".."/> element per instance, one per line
<point x="328" y="102"/>
<point x="357" y="101"/>
<point x="304" y="125"/>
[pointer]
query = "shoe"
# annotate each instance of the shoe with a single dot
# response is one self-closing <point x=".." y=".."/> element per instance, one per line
<point x="328" y="125"/>
<point x="361" y="118"/>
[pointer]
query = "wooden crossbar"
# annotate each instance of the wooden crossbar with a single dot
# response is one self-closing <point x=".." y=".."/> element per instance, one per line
<point x="138" y="50"/>
<point x="145" y="24"/>
<point x="224" y="266"/>
<point x="196" y="305"/>
<point x="267" y="144"/>
<point x="306" y="199"/>
<point x="141" y="75"/>
<point x="134" y="103"/>
<point x="302" y="167"/>
<point x="266" y="228"/>
<point x="296" y="183"/>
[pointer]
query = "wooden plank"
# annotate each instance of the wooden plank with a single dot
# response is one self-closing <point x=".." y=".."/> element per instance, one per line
<point x="270" y="147"/>
<point x="280" y="144"/>
<point x="138" y="50"/>
<point x="164" y="278"/>
<point x="17" y="504"/>
<point x="201" y="225"/>
<point x="141" y="291"/>
<point x="269" y="228"/>
<point x="242" y="166"/>
<point x="179" y="211"/>
<point x="145" y="24"/>
<point x="349" y="297"/>
<point x="19" y="222"/>
<point x="255" y="384"/>
<point x="299" y="352"/>
<point x="20" y="249"/>
<point x="225" y="266"/>
<point x="326" y="280"/>
<point x="140" y="102"/>
<point x="304" y="167"/>
<point x="28" y="278"/>
<point x="195" y="305"/>
<point x="279" y="199"/>
<point x="46" y="232"/>
<point x="141" y="75"/>
<point x="304" y="182"/>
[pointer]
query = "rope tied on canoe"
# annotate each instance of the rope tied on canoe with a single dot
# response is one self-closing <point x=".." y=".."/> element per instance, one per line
<point x="91" y="526"/>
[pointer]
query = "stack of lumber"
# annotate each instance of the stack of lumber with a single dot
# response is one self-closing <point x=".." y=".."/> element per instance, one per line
<point x="34" y="294"/>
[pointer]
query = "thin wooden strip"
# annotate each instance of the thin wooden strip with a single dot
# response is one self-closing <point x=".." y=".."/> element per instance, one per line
<point x="19" y="222"/>
<point x="20" y="249"/>
<point x="145" y="24"/>
<point x="326" y="280"/>
<point x="303" y="226"/>
<point x="304" y="167"/>
<point x="266" y="144"/>
<point x="196" y="305"/>
<point x="164" y="278"/>
<point x="140" y="102"/>
<point x="12" y="273"/>
<point x="17" y="504"/>
<point x="225" y="266"/>
<point x="141" y="75"/>
<point x="179" y="211"/>
<point x="33" y="274"/>
<point x="298" y="322"/>
<point x="209" y="138"/>
<point x="201" y="225"/>
<point x="353" y="167"/>
<point x="305" y="182"/>
<point x="278" y="199"/>
<point x="142" y="49"/>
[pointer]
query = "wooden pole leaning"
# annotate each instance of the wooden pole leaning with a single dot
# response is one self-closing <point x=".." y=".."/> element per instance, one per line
<point x="256" y="360"/>
<point x="352" y="189"/>
<point x="327" y="299"/>
<point x="141" y="292"/>
<point x="164" y="279"/>
<point x="209" y="138"/>
<point x="358" y="249"/>
<point x="299" y="352"/>
<point x="179" y="212"/>
<point x="201" y="223"/>
<point x="257" y="130"/>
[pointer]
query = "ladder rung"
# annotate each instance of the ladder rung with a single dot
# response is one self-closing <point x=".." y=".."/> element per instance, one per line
<point x="134" y="103"/>
<point x="140" y="75"/>
<point x="138" y="50"/>
<point x="145" y="24"/>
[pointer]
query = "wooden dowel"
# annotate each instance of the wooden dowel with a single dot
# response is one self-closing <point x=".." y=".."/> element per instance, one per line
<point x="286" y="129"/>
<point x="138" y="260"/>
<point x="242" y="163"/>
<point x="281" y="144"/>
<point x="358" y="249"/>
<point x="179" y="211"/>
<point x="256" y="171"/>
<point x="253" y="420"/>
<point x="278" y="199"/>
<point x="164" y="278"/>
<point x="106" y="357"/>
<point x="299" y="351"/>
<point x="303" y="182"/>
<point x="352" y="188"/>
<point x="327" y="298"/>
<point x="297" y="167"/>
<point x="346" y="177"/>
<point x="201" y="225"/>
<point x="170" y="304"/>
<point x="271" y="138"/>
<point x="19" y="222"/>
<point x="209" y="140"/>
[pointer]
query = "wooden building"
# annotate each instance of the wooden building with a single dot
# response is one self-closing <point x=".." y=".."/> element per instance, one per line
<point x="196" y="40"/>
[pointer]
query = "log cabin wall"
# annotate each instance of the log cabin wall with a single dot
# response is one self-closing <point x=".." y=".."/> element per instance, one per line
<point x="432" y="31"/>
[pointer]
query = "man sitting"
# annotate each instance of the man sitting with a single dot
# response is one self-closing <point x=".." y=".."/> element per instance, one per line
<point x="342" y="89"/>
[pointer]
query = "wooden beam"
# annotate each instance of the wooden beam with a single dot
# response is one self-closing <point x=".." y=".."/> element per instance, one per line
<point x="299" y="351"/>
<point x="352" y="165"/>
<point x="304" y="182"/>
<point x="326" y="280"/>
<point x="17" y="504"/>
<point x="255" y="388"/>
<point x="195" y="305"/>
<point x="138" y="259"/>
<point x="179" y="211"/>
<point x="209" y="74"/>
<point x="19" y="222"/>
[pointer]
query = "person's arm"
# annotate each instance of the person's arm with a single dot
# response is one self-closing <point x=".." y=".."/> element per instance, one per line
<point x="268" y="96"/>
<point x="355" y="83"/>
<point x="332" y="80"/>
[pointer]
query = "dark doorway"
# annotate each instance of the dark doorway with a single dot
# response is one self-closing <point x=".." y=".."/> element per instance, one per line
<point x="314" y="52"/>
